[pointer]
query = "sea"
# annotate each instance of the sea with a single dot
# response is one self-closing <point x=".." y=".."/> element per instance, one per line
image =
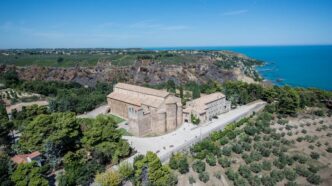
<point x="299" y="66"/>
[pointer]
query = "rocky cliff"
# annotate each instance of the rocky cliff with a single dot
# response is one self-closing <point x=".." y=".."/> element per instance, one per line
<point x="144" y="71"/>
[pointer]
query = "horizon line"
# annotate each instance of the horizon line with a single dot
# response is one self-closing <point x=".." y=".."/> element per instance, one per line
<point x="170" y="47"/>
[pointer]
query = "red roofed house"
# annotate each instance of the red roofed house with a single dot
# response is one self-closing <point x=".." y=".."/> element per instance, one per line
<point x="27" y="158"/>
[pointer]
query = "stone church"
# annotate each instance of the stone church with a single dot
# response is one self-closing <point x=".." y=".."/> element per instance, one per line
<point x="148" y="111"/>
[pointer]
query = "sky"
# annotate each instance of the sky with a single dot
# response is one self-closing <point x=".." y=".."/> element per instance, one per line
<point x="163" y="23"/>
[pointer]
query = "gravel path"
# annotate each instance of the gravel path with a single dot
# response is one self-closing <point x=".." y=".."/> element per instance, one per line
<point x="95" y="112"/>
<point x="19" y="106"/>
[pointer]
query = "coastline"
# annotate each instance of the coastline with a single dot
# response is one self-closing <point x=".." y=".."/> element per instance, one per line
<point x="305" y="66"/>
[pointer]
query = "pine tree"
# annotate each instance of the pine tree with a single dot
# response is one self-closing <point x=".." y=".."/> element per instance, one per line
<point x="196" y="91"/>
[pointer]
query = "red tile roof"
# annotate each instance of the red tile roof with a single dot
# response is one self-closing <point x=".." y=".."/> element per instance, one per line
<point x="22" y="158"/>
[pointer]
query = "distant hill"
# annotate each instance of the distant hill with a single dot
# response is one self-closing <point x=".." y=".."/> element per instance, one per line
<point x="87" y="66"/>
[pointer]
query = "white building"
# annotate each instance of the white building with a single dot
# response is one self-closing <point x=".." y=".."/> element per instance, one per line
<point x="206" y="107"/>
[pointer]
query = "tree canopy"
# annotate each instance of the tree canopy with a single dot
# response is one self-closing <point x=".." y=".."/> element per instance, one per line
<point x="28" y="174"/>
<point x="5" y="126"/>
<point x="102" y="137"/>
<point x="79" y="170"/>
<point x="149" y="170"/>
<point x="61" y="129"/>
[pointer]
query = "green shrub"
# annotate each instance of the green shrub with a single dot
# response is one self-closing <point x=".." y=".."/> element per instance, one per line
<point x="319" y="113"/>
<point x="215" y="135"/>
<point x="179" y="161"/>
<point x="245" y="138"/>
<point x="256" y="156"/>
<point x="254" y="180"/>
<point x="266" y="165"/>
<point x="250" y="130"/>
<point x="300" y="158"/>
<point x="231" y="174"/>
<point x="290" y="174"/>
<point x="275" y="151"/>
<point x="231" y="135"/>
<point x="290" y="183"/>
<point x="329" y="150"/>
<point x="183" y="165"/>
<point x="194" y="120"/>
<point x="226" y="151"/>
<point x="302" y="171"/>
<point x="237" y="148"/>
<point x="279" y="163"/>
<point x="239" y="181"/>
<point x="314" y="155"/>
<point x="255" y="167"/>
<point x="268" y="181"/>
<point x="198" y="166"/>
<point x="288" y="127"/>
<point x="126" y="170"/>
<point x="284" y="141"/>
<point x="265" y="152"/>
<point x="173" y="162"/>
<point x="224" y="162"/>
<point x="282" y="121"/>
<point x="247" y="158"/>
<point x="204" y="177"/>
<point x="314" y="179"/>
<point x="289" y="160"/>
<point x="211" y="160"/>
<point x="223" y="141"/>
<point x="201" y="149"/>
<point x="299" y="139"/>
<point x="244" y="171"/>
<point x="275" y="136"/>
<point x="246" y="146"/>
<point x="313" y="169"/>
<point x="277" y="175"/>
<point x="257" y="138"/>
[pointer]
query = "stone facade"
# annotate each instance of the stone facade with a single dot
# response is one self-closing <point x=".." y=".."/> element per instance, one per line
<point x="148" y="111"/>
<point x="206" y="107"/>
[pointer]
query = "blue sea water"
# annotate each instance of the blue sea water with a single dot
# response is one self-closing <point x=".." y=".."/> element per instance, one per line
<point x="303" y="66"/>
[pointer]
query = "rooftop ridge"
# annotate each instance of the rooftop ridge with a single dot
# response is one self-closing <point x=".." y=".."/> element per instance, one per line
<point x="208" y="98"/>
<point x="144" y="90"/>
